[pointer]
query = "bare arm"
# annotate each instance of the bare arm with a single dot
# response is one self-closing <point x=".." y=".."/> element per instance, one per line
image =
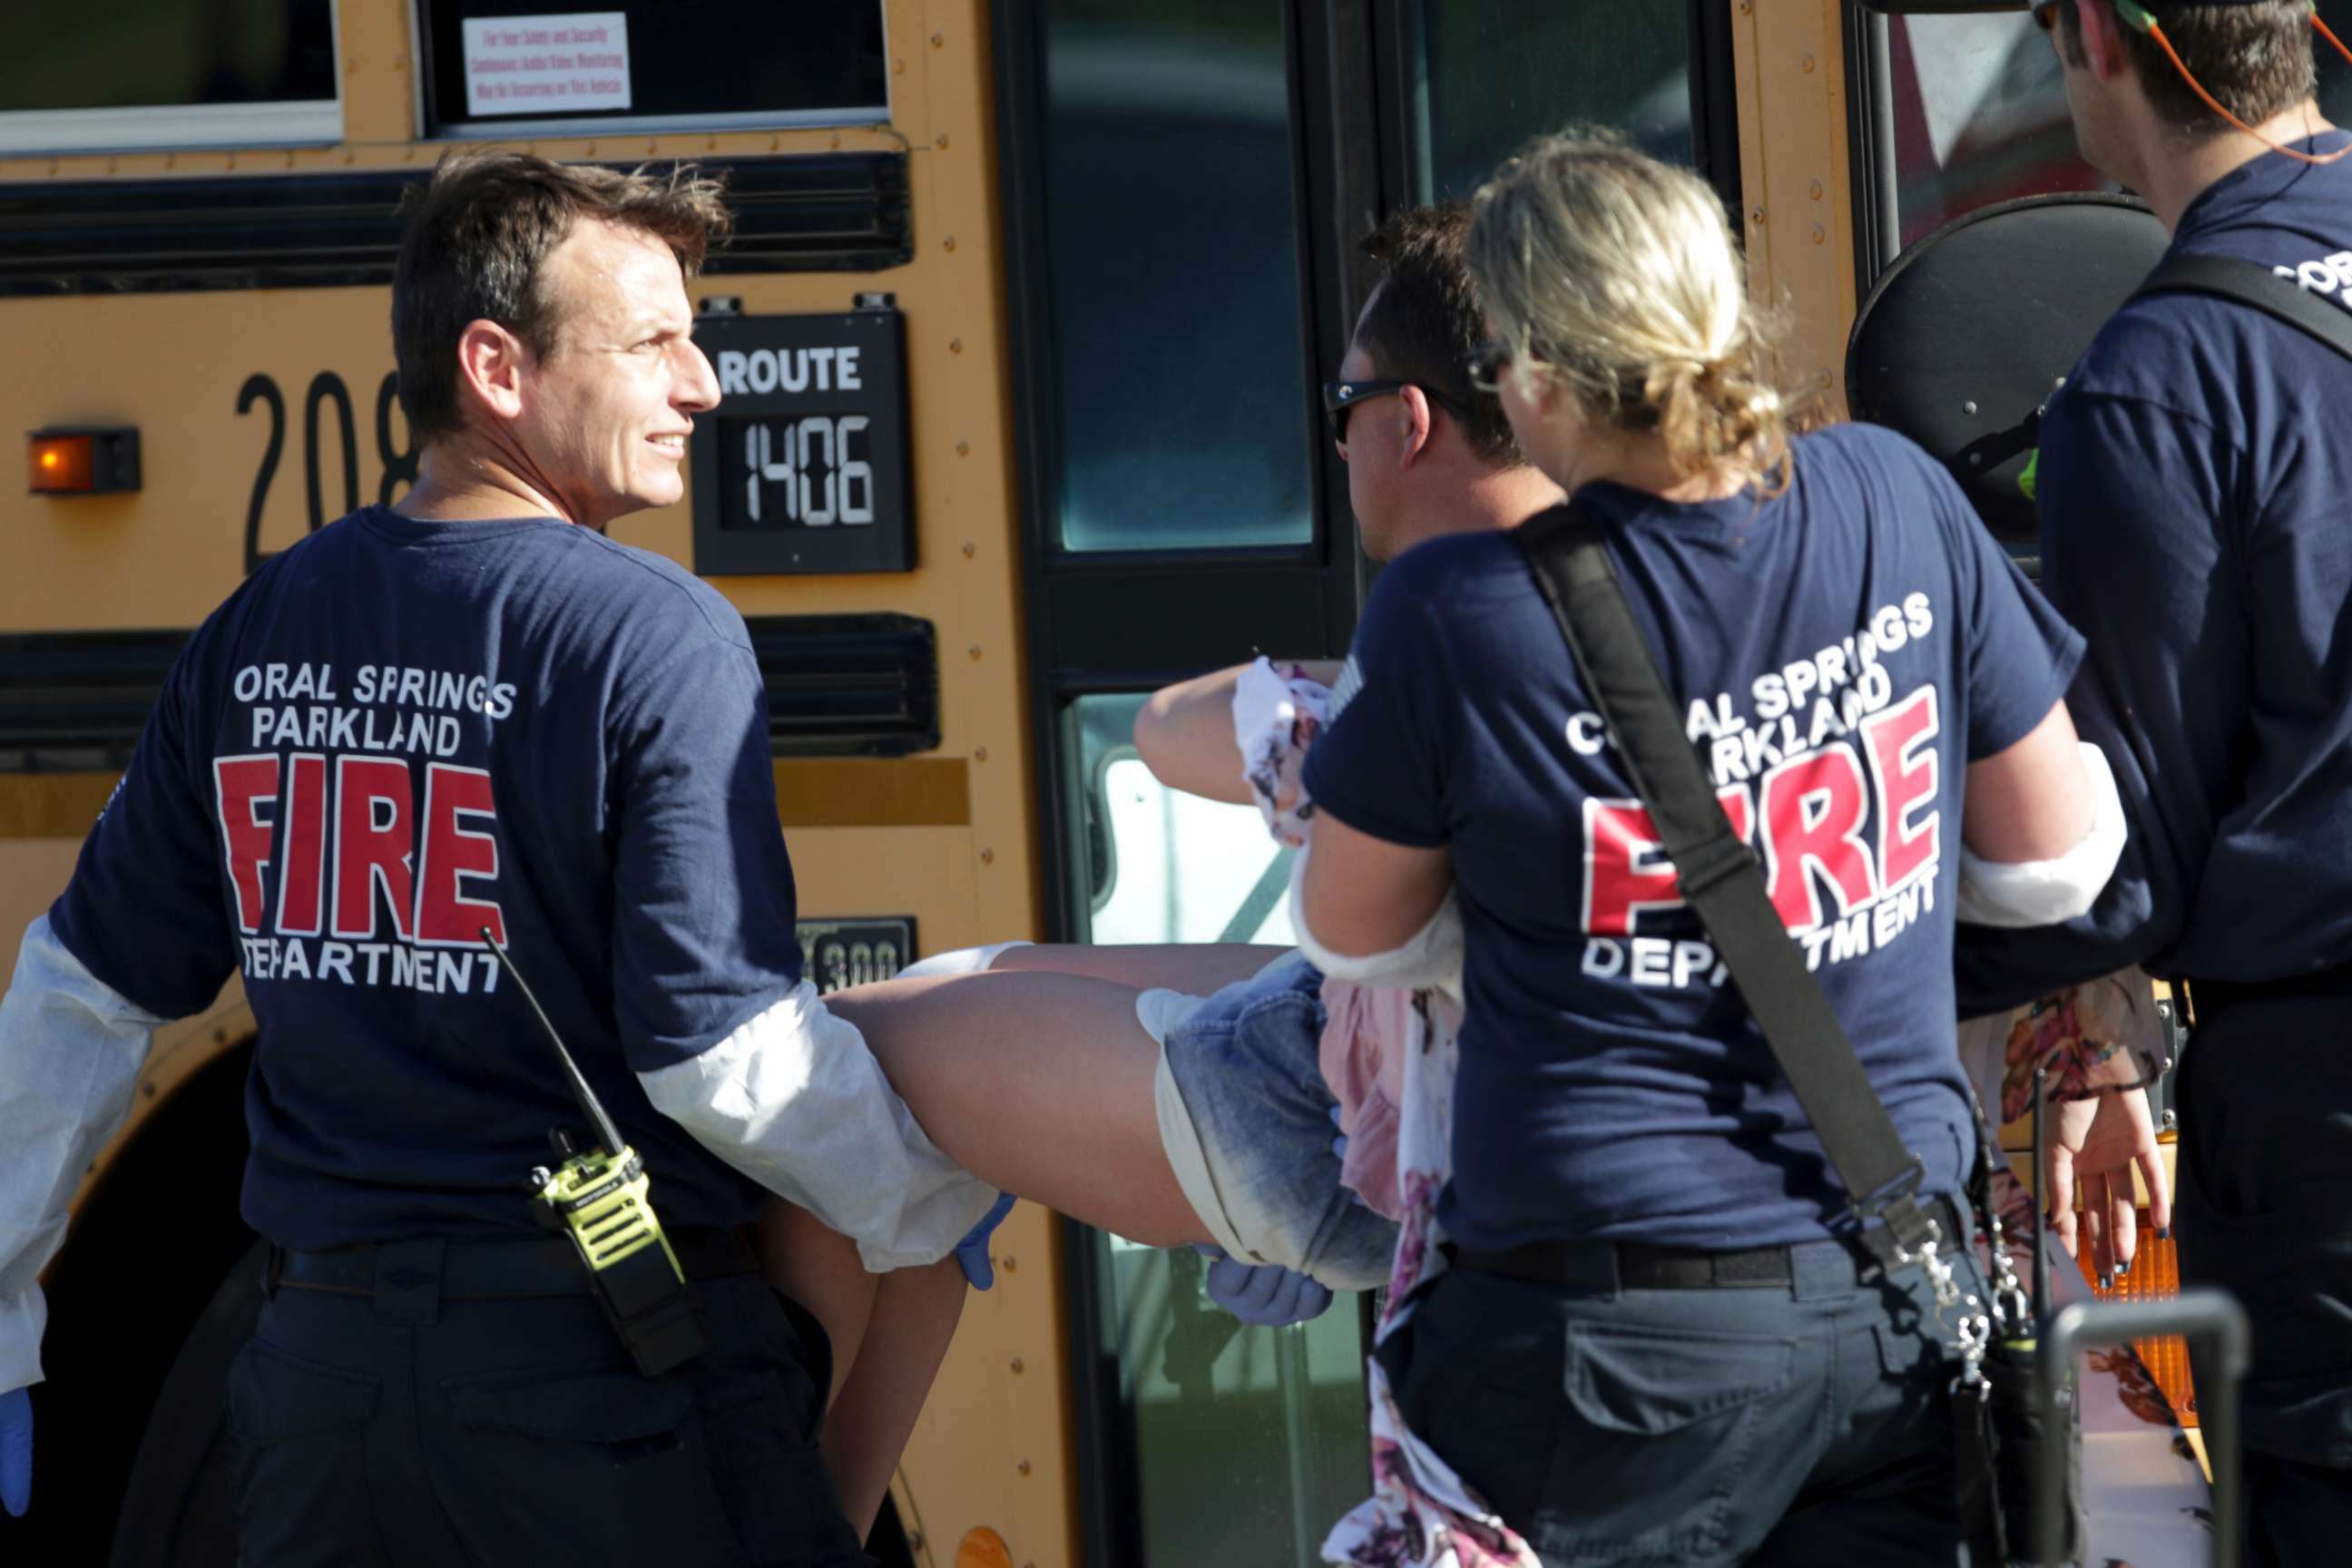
<point x="1361" y="895"/>
<point x="1185" y="733"/>
<point x="2033" y="801"/>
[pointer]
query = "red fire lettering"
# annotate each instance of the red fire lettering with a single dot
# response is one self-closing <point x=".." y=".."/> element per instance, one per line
<point x="1625" y="868"/>
<point x="301" y="872"/>
<point x="241" y="786"/>
<point x="373" y="843"/>
<point x="1813" y="809"/>
<point x="453" y="854"/>
<point x="1903" y="761"/>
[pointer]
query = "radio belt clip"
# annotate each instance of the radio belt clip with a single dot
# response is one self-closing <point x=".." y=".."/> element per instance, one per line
<point x="602" y="1199"/>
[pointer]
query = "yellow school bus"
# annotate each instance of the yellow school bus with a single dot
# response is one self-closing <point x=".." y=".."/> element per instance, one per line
<point x="1020" y="335"/>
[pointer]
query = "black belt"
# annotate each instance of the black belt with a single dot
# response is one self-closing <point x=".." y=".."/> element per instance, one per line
<point x="1641" y="1267"/>
<point x="496" y="1270"/>
<point x="2322" y="984"/>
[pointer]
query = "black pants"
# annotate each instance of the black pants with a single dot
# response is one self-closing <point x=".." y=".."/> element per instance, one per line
<point x="2264" y="1210"/>
<point x="402" y="1429"/>
<point x="1804" y="1423"/>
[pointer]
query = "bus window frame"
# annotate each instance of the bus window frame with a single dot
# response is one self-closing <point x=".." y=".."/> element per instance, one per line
<point x="280" y="123"/>
<point x="504" y="128"/>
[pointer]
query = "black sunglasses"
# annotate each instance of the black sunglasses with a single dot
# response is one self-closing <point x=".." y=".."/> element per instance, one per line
<point x="1487" y="363"/>
<point x="1341" y="398"/>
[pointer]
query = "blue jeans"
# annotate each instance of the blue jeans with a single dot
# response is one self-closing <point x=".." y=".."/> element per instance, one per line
<point x="1800" y="1424"/>
<point x="1242" y="1081"/>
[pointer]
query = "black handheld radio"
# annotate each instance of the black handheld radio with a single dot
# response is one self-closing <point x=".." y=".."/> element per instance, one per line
<point x="602" y="1199"/>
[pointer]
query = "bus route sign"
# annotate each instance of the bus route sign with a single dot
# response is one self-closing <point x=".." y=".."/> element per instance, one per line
<point x="804" y="466"/>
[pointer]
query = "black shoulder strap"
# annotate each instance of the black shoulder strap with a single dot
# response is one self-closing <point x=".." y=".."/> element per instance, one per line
<point x="1718" y="875"/>
<point x="2250" y="283"/>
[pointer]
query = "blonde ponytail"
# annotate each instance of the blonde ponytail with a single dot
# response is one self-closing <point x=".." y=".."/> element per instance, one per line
<point x="1617" y="275"/>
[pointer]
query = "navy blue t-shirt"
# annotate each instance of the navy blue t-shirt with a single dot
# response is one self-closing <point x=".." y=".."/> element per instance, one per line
<point x="2195" y="492"/>
<point x="1843" y="652"/>
<point x="393" y="735"/>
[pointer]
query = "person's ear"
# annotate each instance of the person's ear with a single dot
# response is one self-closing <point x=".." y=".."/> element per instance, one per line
<point x="2104" y="49"/>
<point x="493" y="364"/>
<point x="1414" y="416"/>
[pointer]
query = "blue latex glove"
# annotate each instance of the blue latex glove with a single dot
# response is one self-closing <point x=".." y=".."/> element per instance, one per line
<point x="972" y="1250"/>
<point x="17" y="1450"/>
<point x="1266" y="1296"/>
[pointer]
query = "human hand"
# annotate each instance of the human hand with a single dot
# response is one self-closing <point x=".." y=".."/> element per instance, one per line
<point x="17" y="1450"/>
<point x="972" y="1252"/>
<point x="2097" y="1141"/>
<point x="1268" y="1295"/>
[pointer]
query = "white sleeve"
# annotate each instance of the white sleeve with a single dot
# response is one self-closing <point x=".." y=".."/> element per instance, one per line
<point x="70" y="1051"/>
<point x="795" y="1101"/>
<point x="2044" y="892"/>
<point x="1430" y="958"/>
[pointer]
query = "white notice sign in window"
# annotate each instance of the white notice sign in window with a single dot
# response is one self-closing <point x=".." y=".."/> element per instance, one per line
<point x="547" y="65"/>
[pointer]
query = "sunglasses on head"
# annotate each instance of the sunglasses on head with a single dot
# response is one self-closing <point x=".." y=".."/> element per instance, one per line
<point x="1341" y="398"/>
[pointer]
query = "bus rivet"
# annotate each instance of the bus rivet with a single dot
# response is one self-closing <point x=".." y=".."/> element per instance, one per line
<point x="1019" y="1366"/>
<point x="1816" y="190"/>
<point x="988" y="856"/>
<point x="1022" y="1466"/>
<point x="1820" y="234"/>
<point x="1969" y="406"/>
<point x="948" y="243"/>
<point x="1756" y="216"/>
<point x="898" y="68"/>
<point x="942" y="142"/>
<point x="980" y="753"/>
<point x="963" y="449"/>
<point x="1007" y="1264"/>
<point x="975" y="650"/>
<point x="969" y="550"/>
<point x="1807" y="63"/>
<point x="955" y="345"/>
<point x="939" y="40"/>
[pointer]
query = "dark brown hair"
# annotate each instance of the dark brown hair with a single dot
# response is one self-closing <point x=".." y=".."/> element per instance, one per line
<point x="1425" y="322"/>
<point x="478" y="238"/>
<point x="2255" y="60"/>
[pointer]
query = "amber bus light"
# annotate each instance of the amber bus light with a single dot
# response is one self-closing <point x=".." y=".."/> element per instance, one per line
<point x="82" y="462"/>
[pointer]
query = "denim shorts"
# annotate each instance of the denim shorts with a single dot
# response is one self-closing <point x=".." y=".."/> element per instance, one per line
<point x="1245" y="1118"/>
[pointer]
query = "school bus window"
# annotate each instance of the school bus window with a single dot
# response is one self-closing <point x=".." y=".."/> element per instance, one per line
<point x="1980" y="113"/>
<point x="235" y="73"/>
<point x="1239" y="1434"/>
<point x="1162" y="864"/>
<point x="1485" y="75"/>
<point x="1172" y="246"/>
<point x="499" y="67"/>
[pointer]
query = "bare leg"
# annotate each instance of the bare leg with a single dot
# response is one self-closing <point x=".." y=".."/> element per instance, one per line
<point x="820" y="1269"/>
<point x="1199" y="968"/>
<point x="915" y="1313"/>
<point x="889" y="1335"/>
<point x="1039" y="1084"/>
